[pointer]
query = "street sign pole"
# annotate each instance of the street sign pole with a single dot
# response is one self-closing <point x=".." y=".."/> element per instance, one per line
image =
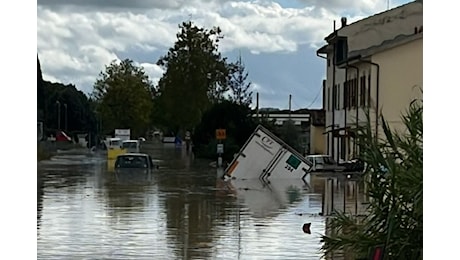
<point x="220" y="135"/>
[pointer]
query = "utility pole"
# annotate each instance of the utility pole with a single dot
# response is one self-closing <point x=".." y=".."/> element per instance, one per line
<point x="257" y="106"/>
<point x="290" y="98"/>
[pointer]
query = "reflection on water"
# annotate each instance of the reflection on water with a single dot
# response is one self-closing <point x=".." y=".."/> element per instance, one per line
<point x="180" y="211"/>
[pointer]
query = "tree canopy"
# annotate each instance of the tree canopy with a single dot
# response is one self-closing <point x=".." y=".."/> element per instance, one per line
<point x="237" y="121"/>
<point x="195" y="76"/>
<point x="123" y="94"/>
<point x="63" y="106"/>
<point x="240" y="89"/>
<point x="67" y="108"/>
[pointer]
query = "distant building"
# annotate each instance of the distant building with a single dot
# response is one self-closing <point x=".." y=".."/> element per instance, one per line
<point x="374" y="65"/>
<point x="317" y="129"/>
<point x="309" y="124"/>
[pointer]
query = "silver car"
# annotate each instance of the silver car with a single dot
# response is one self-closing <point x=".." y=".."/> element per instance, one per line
<point x="324" y="163"/>
<point x="134" y="161"/>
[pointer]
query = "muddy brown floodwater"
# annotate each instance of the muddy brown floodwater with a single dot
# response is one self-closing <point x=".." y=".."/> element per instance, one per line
<point x="180" y="211"/>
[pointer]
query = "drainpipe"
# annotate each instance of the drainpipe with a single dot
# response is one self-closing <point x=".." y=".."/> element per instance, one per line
<point x="345" y="107"/>
<point x="331" y="142"/>
<point x="357" y="87"/>
<point x="333" y="102"/>
<point x="377" y="95"/>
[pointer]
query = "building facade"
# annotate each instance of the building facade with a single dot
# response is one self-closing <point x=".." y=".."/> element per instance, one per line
<point x="374" y="67"/>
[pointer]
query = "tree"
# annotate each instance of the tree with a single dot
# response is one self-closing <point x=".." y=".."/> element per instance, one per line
<point x="240" y="90"/>
<point x="124" y="98"/>
<point x="40" y="92"/>
<point x="394" y="176"/>
<point x="69" y="104"/>
<point x="237" y="121"/>
<point x="195" y="76"/>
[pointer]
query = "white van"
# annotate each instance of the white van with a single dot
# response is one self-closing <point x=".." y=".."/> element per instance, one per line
<point x="131" y="146"/>
<point x="113" y="143"/>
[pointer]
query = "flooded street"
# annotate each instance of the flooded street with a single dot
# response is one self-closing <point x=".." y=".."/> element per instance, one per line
<point x="180" y="211"/>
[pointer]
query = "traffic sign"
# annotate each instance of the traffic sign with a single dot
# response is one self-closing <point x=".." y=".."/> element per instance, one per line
<point x="220" y="148"/>
<point x="221" y="134"/>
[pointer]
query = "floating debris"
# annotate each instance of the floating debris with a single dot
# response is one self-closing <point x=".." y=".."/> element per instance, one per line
<point x="306" y="228"/>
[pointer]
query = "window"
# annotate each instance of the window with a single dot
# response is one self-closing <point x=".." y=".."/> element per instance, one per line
<point x="345" y="94"/>
<point x="342" y="148"/>
<point x="341" y="50"/>
<point x="334" y="96"/>
<point x="350" y="97"/>
<point x="129" y="145"/>
<point x="356" y="92"/>
<point x="352" y="93"/>
<point x="362" y="92"/>
<point x="336" y="100"/>
<point x="131" y="162"/>
<point x="368" y="90"/>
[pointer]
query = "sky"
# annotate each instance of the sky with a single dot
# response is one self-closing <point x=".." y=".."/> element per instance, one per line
<point x="277" y="40"/>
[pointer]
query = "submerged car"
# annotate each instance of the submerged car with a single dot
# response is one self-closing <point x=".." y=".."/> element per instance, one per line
<point x="134" y="161"/>
<point x="131" y="146"/>
<point x="324" y="163"/>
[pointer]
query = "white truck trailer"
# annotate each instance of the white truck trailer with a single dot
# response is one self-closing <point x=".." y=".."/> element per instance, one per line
<point x="265" y="156"/>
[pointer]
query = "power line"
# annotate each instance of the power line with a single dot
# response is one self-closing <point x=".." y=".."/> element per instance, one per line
<point x="317" y="95"/>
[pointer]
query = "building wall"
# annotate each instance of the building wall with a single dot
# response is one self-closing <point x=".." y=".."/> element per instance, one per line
<point x="376" y="29"/>
<point x="318" y="140"/>
<point x="401" y="80"/>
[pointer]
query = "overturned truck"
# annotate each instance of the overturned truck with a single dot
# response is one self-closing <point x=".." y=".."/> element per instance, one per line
<point x="264" y="156"/>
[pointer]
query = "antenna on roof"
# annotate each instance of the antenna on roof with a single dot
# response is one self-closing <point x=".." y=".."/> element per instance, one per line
<point x="388" y="4"/>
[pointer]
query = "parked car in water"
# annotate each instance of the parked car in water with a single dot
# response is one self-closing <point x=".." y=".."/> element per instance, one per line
<point x="324" y="163"/>
<point x="131" y="161"/>
<point x="353" y="165"/>
<point x="131" y="146"/>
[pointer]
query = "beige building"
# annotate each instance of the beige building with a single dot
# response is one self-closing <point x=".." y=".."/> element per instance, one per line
<point x="374" y="65"/>
<point x="317" y="128"/>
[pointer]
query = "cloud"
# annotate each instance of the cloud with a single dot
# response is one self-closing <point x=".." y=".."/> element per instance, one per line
<point x="154" y="71"/>
<point x="77" y="38"/>
<point x="114" y="4"/>
<point x="347" y="6"/>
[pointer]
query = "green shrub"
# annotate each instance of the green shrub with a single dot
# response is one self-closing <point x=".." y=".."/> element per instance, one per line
<point x="394" y="176"/>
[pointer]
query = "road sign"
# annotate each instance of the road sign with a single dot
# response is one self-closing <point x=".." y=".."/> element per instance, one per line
<point x="220" y="148"/>
<point x="221" y="134"/>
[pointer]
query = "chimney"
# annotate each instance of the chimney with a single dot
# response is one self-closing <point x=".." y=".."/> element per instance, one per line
<point x="344" y="21"/>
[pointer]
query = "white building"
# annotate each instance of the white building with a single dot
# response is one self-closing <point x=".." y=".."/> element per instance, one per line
<point x="374" y="65"/>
